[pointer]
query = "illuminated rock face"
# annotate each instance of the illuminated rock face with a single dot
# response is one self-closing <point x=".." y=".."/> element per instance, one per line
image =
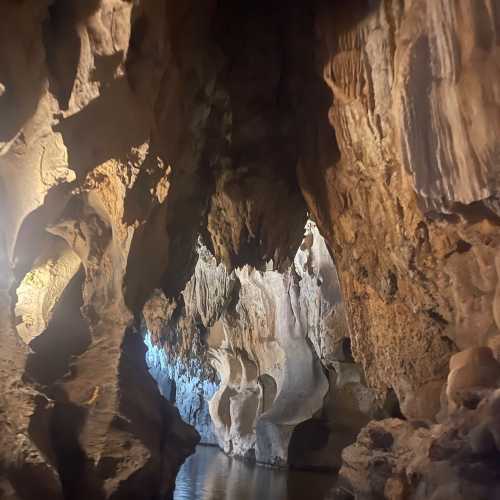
<point x="271" y="379"/>
<point x="83" y="194"/>
<point x="406" y="199"/>
<point x="408" y="202"/>
<point x="130" y="129"/>
<point x="185" y="384"/>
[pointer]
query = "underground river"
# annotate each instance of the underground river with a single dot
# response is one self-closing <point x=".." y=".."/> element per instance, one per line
<point x="209" y="474"/>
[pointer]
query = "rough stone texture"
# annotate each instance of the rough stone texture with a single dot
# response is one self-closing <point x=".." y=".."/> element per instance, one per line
<point x="26" y="456"/>
<point x="42" y="288"/>
<point x="261" y="137"/>
<point x="176" y="332"/>
<point x="458" y="458"/>
<point x="117" y="117"/>
<point x="70" y="200"/>
<point x="406" y="201"/>
<point x="209" y="291"/>
<point x="320" y="301"/>
<point x="265" y="349"/>
<point x="270" y="335"/>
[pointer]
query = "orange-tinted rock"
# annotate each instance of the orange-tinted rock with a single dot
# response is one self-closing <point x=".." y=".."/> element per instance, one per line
<point x="406" y="196"/>
<point x="474" y="368"/>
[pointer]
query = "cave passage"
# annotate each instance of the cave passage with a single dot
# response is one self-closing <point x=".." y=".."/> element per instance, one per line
<point x="209" y="474"/>
<point x="258" y="240"/>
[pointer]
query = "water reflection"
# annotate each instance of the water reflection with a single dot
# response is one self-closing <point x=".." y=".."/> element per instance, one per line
<point x="211" y="475"/>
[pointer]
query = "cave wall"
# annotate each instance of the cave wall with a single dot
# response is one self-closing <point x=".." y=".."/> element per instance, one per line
<point x="184" y="377"/>
<point x="407" y="201"/>
<point x="117" y="150"/>
<point x="84" y="87"/>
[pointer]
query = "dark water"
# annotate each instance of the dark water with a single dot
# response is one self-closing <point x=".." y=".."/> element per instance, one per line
<point x="211" y="475"/>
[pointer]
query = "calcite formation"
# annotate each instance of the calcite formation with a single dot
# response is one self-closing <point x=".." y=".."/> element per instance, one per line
<point x="406" y="198"/>
<point x="177" y="357"/>
<point x="279" y="344"/>
<point x="185" y="383"/>
<point x="270" y="378"/>
<point x="130" y="131"/>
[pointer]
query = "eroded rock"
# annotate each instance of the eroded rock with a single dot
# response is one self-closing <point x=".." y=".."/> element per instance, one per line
<point x="407" y="216"/>
<point x="270" y="337"/>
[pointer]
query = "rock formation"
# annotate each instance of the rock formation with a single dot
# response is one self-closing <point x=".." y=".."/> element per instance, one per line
<point x="83" y="187"/>
<point x="289" y="392"/>
<point x="403" y="76"/>
<point x="397" y="459"/>
<point x="177" y="360"/>
<point x="130" y="131"/>
<point x="186" y="385"/>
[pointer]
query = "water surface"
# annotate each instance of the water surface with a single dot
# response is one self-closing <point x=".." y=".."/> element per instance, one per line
<point x="211" y="475"/>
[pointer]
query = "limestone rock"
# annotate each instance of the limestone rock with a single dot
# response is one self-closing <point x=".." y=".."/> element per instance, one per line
<point x="209" y="290"/>
<point x="321" y="303"/>
<point x="471" y="369"/>
<point x="130" y="130"/>
<point x="270" y="335"/>
<point x="68" y="173"/>
<point x="186" y="384"/>
<point x="267" y="327"/>
<point x="408" y="215"/>
<point x="455" y="459"/>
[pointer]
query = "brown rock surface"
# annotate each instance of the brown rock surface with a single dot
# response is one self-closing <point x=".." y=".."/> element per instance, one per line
<point x="83" y="136"/>
<point x="407" y="201"/>
<point x="396" y="459"/>
<point x="470" y="370"/>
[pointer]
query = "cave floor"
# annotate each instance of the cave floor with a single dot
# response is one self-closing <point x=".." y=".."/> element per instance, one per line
<point x="209" y="474"/>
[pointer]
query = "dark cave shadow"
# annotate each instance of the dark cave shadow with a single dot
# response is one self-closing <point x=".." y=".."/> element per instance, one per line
<point x="345" y="15"/>
<point x="78" y="478"/>
<point x="62" y="44"/>
<point x="301" y="484"/>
